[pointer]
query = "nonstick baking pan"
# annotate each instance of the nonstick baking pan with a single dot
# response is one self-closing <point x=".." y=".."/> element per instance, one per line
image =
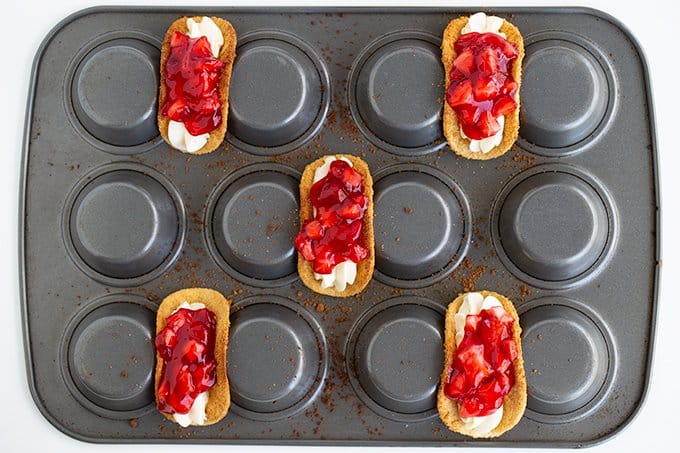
<point x="112" y="220"/>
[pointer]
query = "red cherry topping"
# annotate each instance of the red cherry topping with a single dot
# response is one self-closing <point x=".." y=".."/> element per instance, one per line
<point x="187" y="346"/>
<point x="192" y="77"/>
<point x="482" y="373"/>
<point x="334" y="235"/>
<point x="481" y="88"/>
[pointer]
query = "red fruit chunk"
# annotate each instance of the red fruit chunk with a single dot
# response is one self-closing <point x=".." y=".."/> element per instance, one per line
<point x="468" y="114"/>
<point x="487" y="61"/>
<point x="479" y="129"/>
<point x="456" y="384"/>
<point x="202" y="48"/>
<point x="481" y="373"/>
<point x="476" y="368"/>
<point x="324" y="262"/>
<point x="485" y="88"/>
<point x="504" y="105"/>
<point x="361" y="200"/>
<point x="508" y="49"/>
<point x="481" y="87"/>
<point x="509" y="87"/>
<point x="304" y="245"/>
<point x="488" y="124"/>
<point x="465" y="62"/>
<point x="459" y="94"/>
<point x="314" y="229"/>
<point x="327" y="216"/>
<point x="349" y="176"/>
<point x="337" y="168"/>
<point x="357" y="253"/>
<point x="334" y="235"/>
<point x="350" y="210"/>
<point x="165" y="341"/>
<point x="187" y="346"/>
<point x="347" y="232"/>
<point x="456" y="76"/>
<point x="178" y="109"/>
<point x="328" y="193"/>
<point x="192" y="351"/>
<point x="202" y="376"/>
<point x="192" y="77"/>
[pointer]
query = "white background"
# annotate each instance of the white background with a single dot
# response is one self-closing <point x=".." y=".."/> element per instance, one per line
<point x="25" y="24"/>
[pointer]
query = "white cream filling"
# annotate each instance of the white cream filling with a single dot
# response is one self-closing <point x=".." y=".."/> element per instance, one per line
<point x="197" y="414"/>
<point x="178" y="135"/>
<point x="472" y="304"/>
<point x="344" y="273"/>
<point x="189" y="306"/>
<point x="481" y="23"/>
<point x="181" y="139"/>
<point x="486" y="144"/>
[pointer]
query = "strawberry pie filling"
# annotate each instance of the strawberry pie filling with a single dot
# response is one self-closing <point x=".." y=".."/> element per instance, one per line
<point x="192" y="76"/>
<point x="187" y="346"/>
<point x="334" y="236"/>
<point x="481" y="88"/>
<point x="482" y="373"/>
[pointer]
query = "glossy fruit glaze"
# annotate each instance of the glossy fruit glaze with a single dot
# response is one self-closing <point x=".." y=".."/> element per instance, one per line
<point x="335" y="233"/>
<point x="482" y="372"/>
<point x="192" y="77"/>
<point x="187" y="346"/>
<point x="481" y="87"/>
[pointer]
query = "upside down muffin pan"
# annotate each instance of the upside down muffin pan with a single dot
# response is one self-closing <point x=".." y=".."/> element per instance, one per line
<point x="565" y="224"/>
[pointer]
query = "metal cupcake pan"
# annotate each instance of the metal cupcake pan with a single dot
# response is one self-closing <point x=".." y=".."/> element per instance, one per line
<point x="422" y="225"/>
<point x="118" y="116"/>
<point x="251" y="216"/>
<point x="403" y="337"/>
<point x="397" y="70"/>
<point x="565" y="384"/>
<point x="123" y="224"/>
<point x="565" y="224"/>
<point x="117" y="384"/>
<point x="581" y="99"/>
<point x="292" y="358"/>
<point x="568" y="203"/>
<point x="276" y="111"/>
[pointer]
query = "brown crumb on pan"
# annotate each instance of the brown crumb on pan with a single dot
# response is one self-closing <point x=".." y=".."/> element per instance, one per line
<point x="525" y="291"/>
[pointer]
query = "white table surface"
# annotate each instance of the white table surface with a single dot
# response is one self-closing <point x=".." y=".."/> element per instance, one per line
<point x="25" y="24"/>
